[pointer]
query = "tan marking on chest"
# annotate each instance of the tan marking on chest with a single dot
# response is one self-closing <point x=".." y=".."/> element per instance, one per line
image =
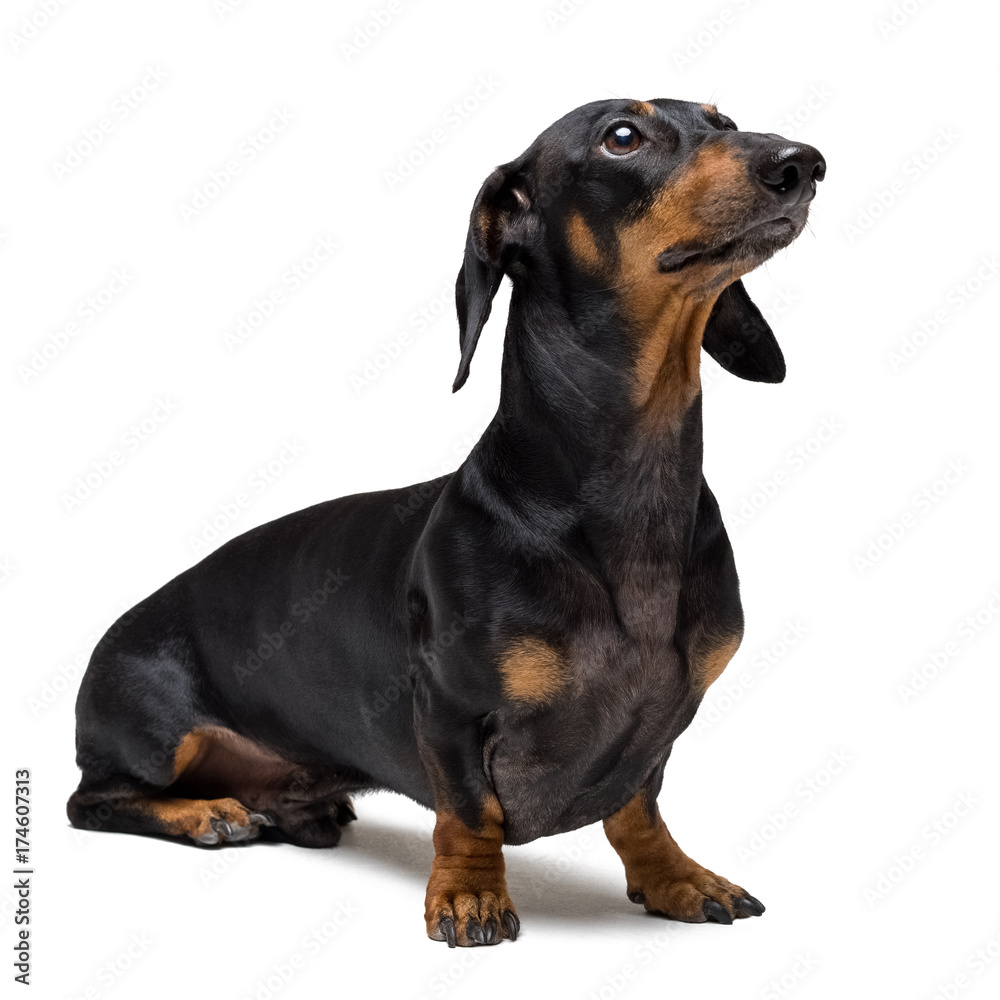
<point x="708" y="666"/>
<point x="667" y="374"/>
<point x="533" y="672"/>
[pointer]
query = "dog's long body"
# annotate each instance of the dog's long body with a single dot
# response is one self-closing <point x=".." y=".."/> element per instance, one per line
<point x="516" y="645"/>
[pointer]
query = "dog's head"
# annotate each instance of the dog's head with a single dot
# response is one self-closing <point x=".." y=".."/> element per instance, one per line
<point x="658" y="203"/>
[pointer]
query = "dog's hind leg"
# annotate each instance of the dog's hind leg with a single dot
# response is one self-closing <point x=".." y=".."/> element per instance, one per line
<point x="137" y="739"/>
<point x="156" y="761"/>
<point x="159" y="793"/>
<point x="215" y="787"/>
<point x="152" y="764"/>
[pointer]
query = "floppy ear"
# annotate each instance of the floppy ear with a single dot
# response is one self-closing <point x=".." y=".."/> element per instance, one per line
<point x="738" y="337"/>
<point x="501" y="220"/>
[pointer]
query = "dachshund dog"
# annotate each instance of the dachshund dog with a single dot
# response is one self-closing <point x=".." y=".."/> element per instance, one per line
<point x="518" y="644"/>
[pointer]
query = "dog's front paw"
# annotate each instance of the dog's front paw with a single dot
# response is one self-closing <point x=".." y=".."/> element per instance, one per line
<point x="466" y="918"/>
<point x="697" y="896"/>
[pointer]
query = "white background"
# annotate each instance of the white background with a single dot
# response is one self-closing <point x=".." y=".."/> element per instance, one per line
<point x="843" y="917"/>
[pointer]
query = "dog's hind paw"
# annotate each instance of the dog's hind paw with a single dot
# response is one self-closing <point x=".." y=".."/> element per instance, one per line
<point x="232" y="830"/>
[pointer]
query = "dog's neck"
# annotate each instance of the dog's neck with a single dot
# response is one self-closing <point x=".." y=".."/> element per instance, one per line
<point x="593" y="418"/>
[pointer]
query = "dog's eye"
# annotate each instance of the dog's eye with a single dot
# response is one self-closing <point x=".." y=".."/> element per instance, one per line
<point x="730" y="125"/>
<point x="621" y="139"/>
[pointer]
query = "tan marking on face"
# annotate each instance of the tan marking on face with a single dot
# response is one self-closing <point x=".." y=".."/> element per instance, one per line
<point x="708" y="667"/>
<point x="710" y="109"/>
<point x="641" y="108"/>
<point x="670" y="311"/>
<point x="468" y="880"/>
<point x="582" y="245"/>
<point x="694" y="204"/>
<point x="658" y="873"/>
<point x="533" y="672"/>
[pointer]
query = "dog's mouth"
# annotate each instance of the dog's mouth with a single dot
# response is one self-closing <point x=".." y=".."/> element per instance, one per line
<point x="756" y="244"/>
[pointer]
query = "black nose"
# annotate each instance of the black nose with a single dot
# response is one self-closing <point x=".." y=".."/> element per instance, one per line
<point x="790" y="171"/>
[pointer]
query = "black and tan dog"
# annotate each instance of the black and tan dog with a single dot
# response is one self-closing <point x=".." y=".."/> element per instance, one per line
<point x="516" y="645"/>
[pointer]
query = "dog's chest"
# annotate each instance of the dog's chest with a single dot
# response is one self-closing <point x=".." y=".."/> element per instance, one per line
<point x="583" y="753"/>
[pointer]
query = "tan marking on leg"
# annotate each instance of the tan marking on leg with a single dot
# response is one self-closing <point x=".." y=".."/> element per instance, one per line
<point x="188" y="748"/>
<point x="659" y="874"/>
<point x="582" y="244"/>
<point x="468" y="884"/>
<point x="221" y="760"/>
<point x="710" y="664"/>
<point x="533" y="672"/>
<point x="193" y="816"/>
<point x="221" y="775"/>
<point x="641" y="108"/>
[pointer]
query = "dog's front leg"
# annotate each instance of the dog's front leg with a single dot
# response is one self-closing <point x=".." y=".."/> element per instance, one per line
<point x="662" y="877"/>
<point x="467" y="901"/>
